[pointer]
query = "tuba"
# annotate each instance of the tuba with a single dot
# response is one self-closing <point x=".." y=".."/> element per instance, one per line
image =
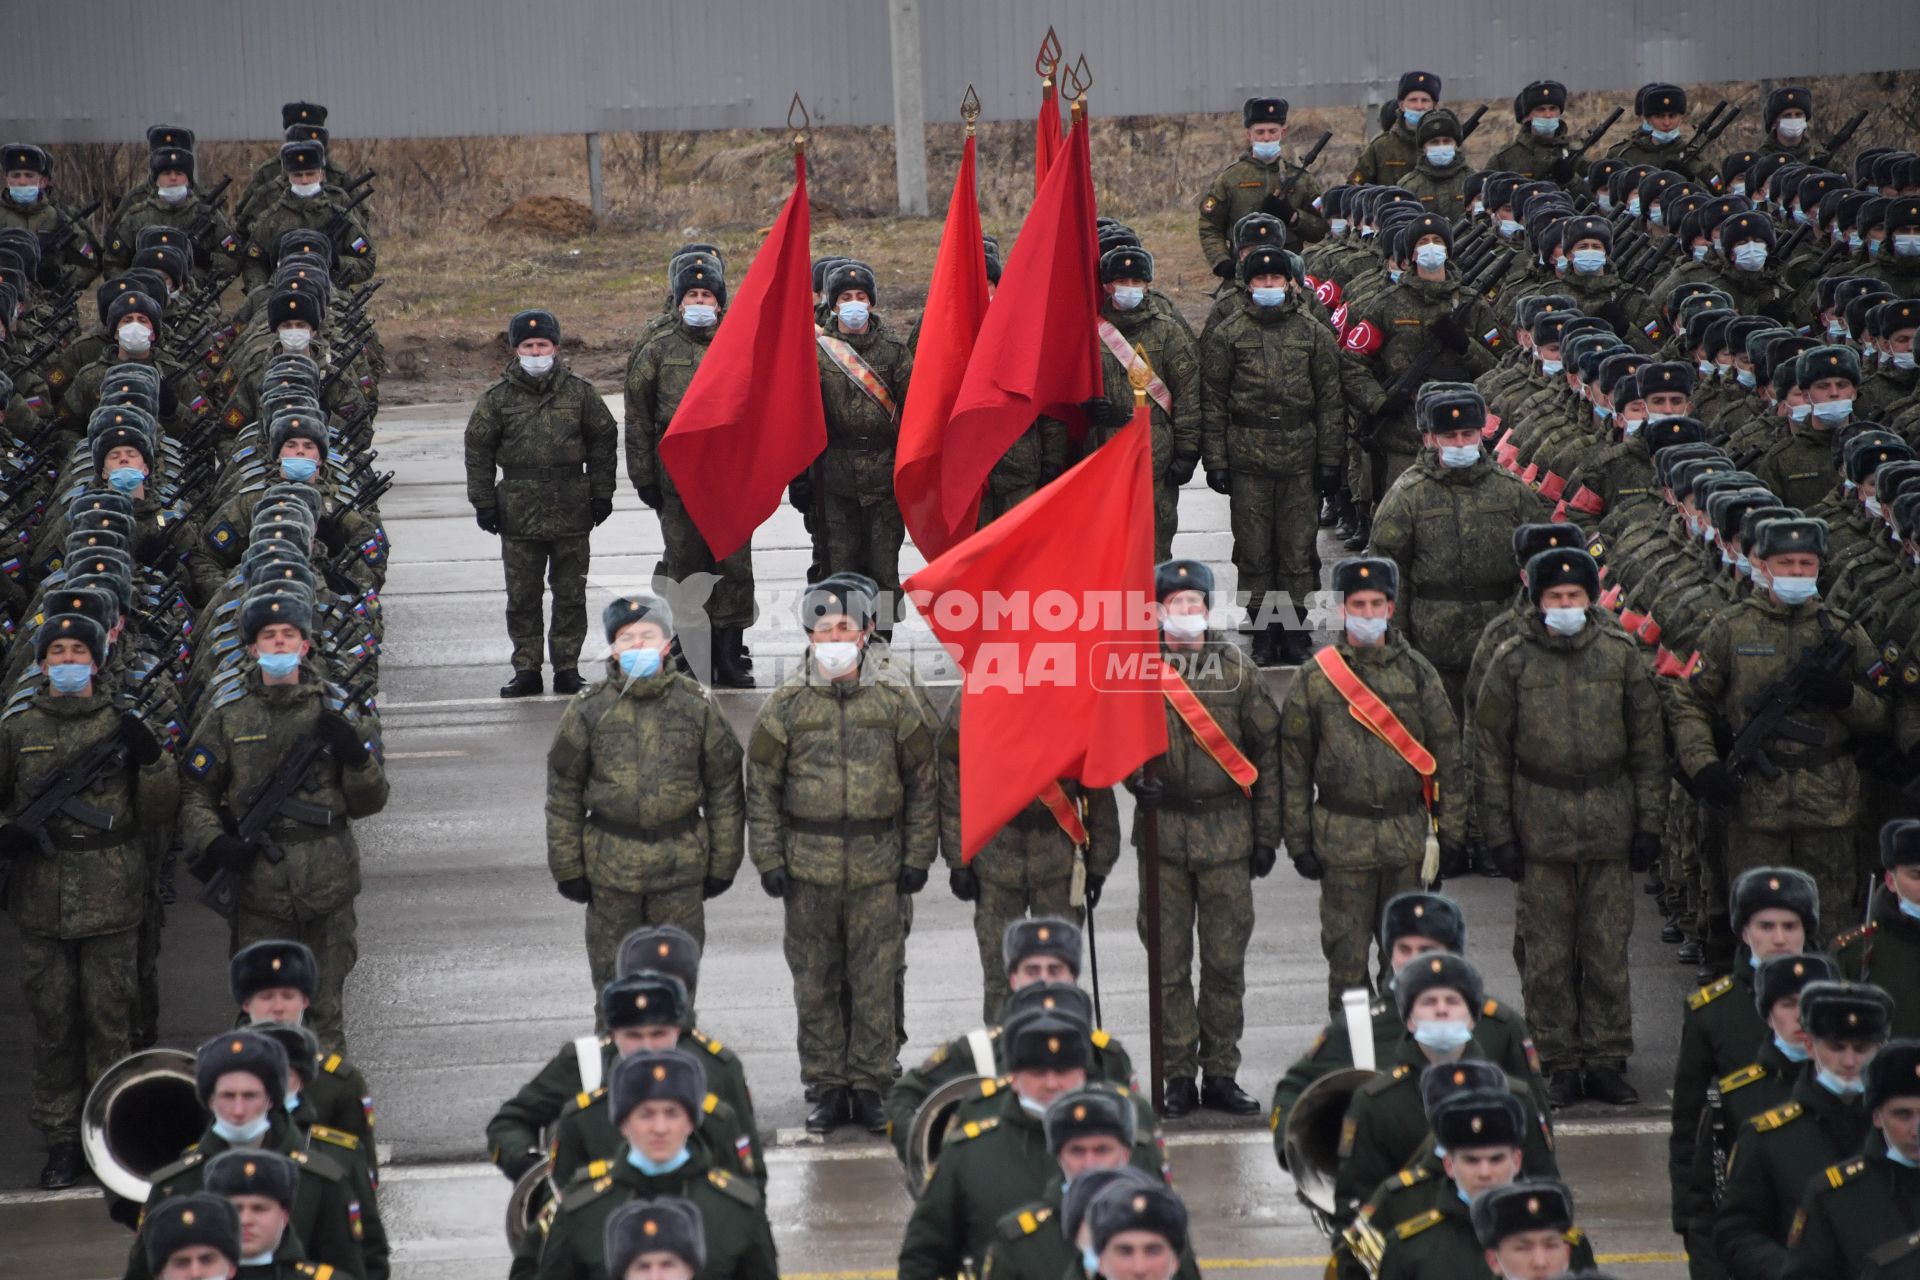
<point x="1312" y="1140"/>
<point x="531" y="1196"/>
<point x="931" y="1123"/>
<point x="140" y="1115"/>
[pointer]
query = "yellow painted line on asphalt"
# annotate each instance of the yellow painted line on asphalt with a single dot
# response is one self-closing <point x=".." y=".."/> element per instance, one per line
<point x="1296" y="1262"/>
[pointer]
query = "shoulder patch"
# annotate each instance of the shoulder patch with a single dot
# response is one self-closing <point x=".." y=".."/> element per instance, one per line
<point x="1839" y="1175"/>
<point x="1742" y="1078"/>
<point x="1767" y="1121"/>
<point x="1414" y="1226"/>
<point x="199" y="762"/>
<point x="1709" y="993"/>
<point x="1409" y="1177"/>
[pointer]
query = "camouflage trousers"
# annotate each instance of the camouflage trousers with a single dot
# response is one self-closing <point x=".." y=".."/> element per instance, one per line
<point x="1276" y="522"/>
<point x="614" y="913"/>
<point x="563" y="563"/>
<point x="1351" y="903"/>
<point x="334" y="938"/>
<point x="1166" y="517"/>
<point x="999" y="906"/>
<point x="865" y="538"/>
<point x="1217" y="902"/>
<point x="1572" y="921"/>
<point x="851" y="939"/>
<point x="81" y="993"/>
<point x="687" y="554"/>
<point x="995" y="503"/>
<point x="1827" y="856"/>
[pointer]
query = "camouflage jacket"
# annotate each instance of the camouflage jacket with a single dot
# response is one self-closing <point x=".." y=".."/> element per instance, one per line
<point x="1205" y="821"/>
<point x="643" y="786"/>
<point x="1443" y="191"/>
<point x="1639" y="147"/>
<point x="1800" y="467"/>
<point x="78" y="261"/>
<point x="1348" y="796"/>
<point x="214" y="250"/>
<point x="1397" y="322"/>
<point x="1273" y="398"/>
<point x="181" y="403"/>
<point x="658" y="375"/>
<point x="1529" y="155"/>
<point x="555" y="446"/>
<point x="1174" y="358"/>
<point x="1387" y="157"/>
<point x="826" y="752"/>
<point x="1614" y="487"/>
<point x="352" y="544"/>
<point x="858" y="462"/>
<point x="1242" y="188"/>
<point x="268" y="182"/>
<point x="356" y="258"/>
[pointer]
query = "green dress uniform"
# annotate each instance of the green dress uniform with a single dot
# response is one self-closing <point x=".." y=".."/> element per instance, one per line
<point x="1849" y="1210"/>
<point x="1441" y="1242"/>
<point x="1030" y="1243"/>
<point x="571" y="1235"/>
<point x="1720" y="1032"/>
<point x="585" y="1137"/>
<point x="1777" y="1153"/>
<point x="1886" y="952"/>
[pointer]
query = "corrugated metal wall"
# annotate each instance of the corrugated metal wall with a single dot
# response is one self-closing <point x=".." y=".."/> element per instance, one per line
<point x="101" y="70"/>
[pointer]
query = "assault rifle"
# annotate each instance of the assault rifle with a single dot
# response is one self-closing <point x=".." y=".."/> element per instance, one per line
<point x="272" y="798"/>
<point x="1405" y="387"/>
<point x="1830" y="150"/>
<point x="1771" y="709"/>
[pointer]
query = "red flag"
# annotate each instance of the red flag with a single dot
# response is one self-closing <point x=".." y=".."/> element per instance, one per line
<point x="751" y="419"/>
<point x="1042" y="353"/>
<point x="956" y="303"/>
<point x="1046" y="134"/>
<point x="1072" y="690"/>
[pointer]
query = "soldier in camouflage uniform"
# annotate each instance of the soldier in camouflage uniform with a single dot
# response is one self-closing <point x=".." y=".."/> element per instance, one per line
<point x="135" y="321"/>
<point x="1174" y="397"/>
<point x="76" y="882"/>
<point x="1574" y="795"/>
<point x="844" y="819"/>
<point x="1854" y="1206"/>
<point x="1218" y="810"/>
<point x="1886" y="949"/>
<point x="1273" y="439"/>
<point x="1662" y="109"/>
<point x="239" y="744"/>
<point x="1539" y="150"/>
<point x="29" y="204"/>
<point x="306" y="202"/>
<point x="170" y="200"/>
<point x="1439" y="177"/>
<point x="1799" y="468"/>
<point x="661" y="369"/>
<point x="1259" y="181"/>
<point x="646" y="816"/>
<point x="1390" y="155"/>
<point x="299" y="122"/>
<point x="1355" y="809"/>
<point x="550" y="436"/>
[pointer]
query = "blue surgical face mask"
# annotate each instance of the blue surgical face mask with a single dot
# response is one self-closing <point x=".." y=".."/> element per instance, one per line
<point x="69" y="677"/>
<point x="1799" y="412"/>
<point x="1411" y="116"/>
<point x="1457" y="456"/>
<point x="25" y="194"/>
<point x="1839" y="1088"/>
<point x="1552" y="368"/>
<point x="1588" y="262"/>
<point x="1394" y="274"/>
<point x="1631" y="426"/>
<point x="1089" y="1261"/>
<point x="853" y="315"/>
<point x="1746" y="377"/>
<point x="1800" y="217"/>
<point x="1903" y="359"/>
<point x="292" y="1103"/>
<point x="1268" y="297"/>
<point x="1900" y="1157"/>
<point x="1664" y="136"/>
<point x="1544" y="126"/>
<point x="1127" y="297"/>
<point x="279" y="665"/>
<point x="241" y="1135"/>
<point x="1833" y="412"/>
<point x="1366" y="630"/>
<point x="1565" y="622"/>
<point x="1266" y="152"/>
<point x="1633" y="204"/>
<point x="1441" y="154"/>
<point x="1874" y="247"/>
<point x="655" y="1168"/>
<point x="639" y="663"/>
<point x="699" y="316"/>
<point x="1338" y="226"/>
<point x="1700" y="252"/>
<point x="1750" y="255"/>
<point x="1794" y="588"/>
<point x="126" y="479"/>
<point x="1790" y="1051"/>
<point x="1604" y="412"/>
<point x="1909" y="909"/>
<point x="1430" y="257"/>
<point x="1441" y="1036"/>
<point x="1509" y="228"/>
<point x="1907" y="246"/>
<point x="299" y="470"/>
<point x="1032" y="1108"/>
<point x="1856" y="241"/>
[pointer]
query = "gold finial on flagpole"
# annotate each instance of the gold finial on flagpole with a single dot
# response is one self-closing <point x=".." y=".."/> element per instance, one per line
<point x="799" y="126"/>
<point x="970" y="109"/>
<point x="1078" y="80"/>
<point x="1047" y="61"/>
<point x="1139" y="374"/>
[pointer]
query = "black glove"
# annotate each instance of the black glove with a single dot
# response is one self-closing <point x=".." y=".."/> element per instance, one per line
<point x="1328" y="477"/>
<point x="912" y="879"/>
<point x="1561" y="170"/>
<point x="776" y="882"/>
<point x="17" y="842"/>
<point x="488" y="519"/>
<point x="576" y="889"/>
<point x="1616" y="316"/>
<point x="1181" y="470"/>
<point x="124" y="1211"/>
<point x="1225" y="268"/>
<point x="964" y="883"/>
<point x="154" y="552"/>
<point x="1148" y="791"/>
<point x="1454" y="859"/>
<point x="1265" y="856"/>
<point x="1095" y="886"/>
<point x="342" y="739"/>
<point x="515" y="1167"/>
<point x="1220" y="481"/>
<point x="1102" y="412"/>
<point x="601" y="508"/>
<point x="713" y="888"/>
<point x="800" y="492"/>
<point x="1395" y="404"/>
<point x="1644" y="851"/>
<point x="1447" y="331"/>
<point x="1716" y="785"/>
<point x="1280" y="207"/>
<point x="231" y="853"/>
<point x="143" y="748"/>
<point x="328" y="530"/>
<point x="1830" y="689"/>
<point x="1505" y="858"/>
<point x="649" y="494"/>
<point x="1309" y="866"/>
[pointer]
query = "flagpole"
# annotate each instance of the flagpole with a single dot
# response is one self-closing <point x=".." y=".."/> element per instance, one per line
<point x="1138" y="377"/>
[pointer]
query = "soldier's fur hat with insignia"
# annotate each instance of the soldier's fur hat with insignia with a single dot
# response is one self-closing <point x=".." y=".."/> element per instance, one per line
<point x="278" y="571"/>
<point x="671" y="1075"/>
<point x="836" y="595"/>
<point x="1750" y="522"/>
<point x="1041" y="936"/>
<point x="302" y="1046"/>
<point x="1170" y="576"/>
<point x="1419" y="914"/>
<point x="1900" y="843"/>
<point x="1727" y="509"/>
<point x="102" y="509"/>
<point x="1788" y="97"/>
<point x="293" y="113"/>
<point x="1443" y="1080"/>
<point x="1530" y="540"/>
<point x="1530" y="308"/>
<point x="1418" y="82"/>
<point x="1618" y="367"/>
<point x="1478" y="1118"/>
<point x="1781" y="976"/>
<point x="851" y="274"/>
<point x="200" y="1218"/>
<point x="636" y="606"/>
<point x="250" y="1171"/>
<point x="1061" y="998"/>
<point x="1779" y="537"/>
<point x="86" y="541"/>
<point x="1038" y="1040"/>
<point x="1116" y="235"/>
<point x="1894" y="1073"/>
<point x="1156" y="1210"/>
<point x="303" y="495"/>
<point x="699" y="275"/>
<point x="1267" y="260"/>
<point x="1826" y="362"/>
<point x="1463" y="409"/>
<point x="101" y="560"/>
<point x="1781" y="888"/>
<point x="301" y="157"/>
<point x="665" y="948"/>
<point x="1668" y="376"/>
<point x="177" y="159"/>
<point x="1901" y="214"/>
<point x="280" y="604"/>
<point x="133" y="384"/>
<point x="1541" y="93"/>
<point x="296" y="426"/>
<point x="113" y="436"/>
<point x="1128" y="262"/>
<point x="821" y="266"/>
<point x="303" y="240"/>
<point x="1366" y="573"/>
<point x="1257" y="229"/>
<point x="1558" y="568"/>
<point x="1866" y="453"/>
<point x="307" y="133"/>
<point x="276" y="962"/>
<point x="1845" y="1011"/>
<point x="1744" y="227"/>
<point x="296" y="304"/>
<point x="1549" y="328"/>
<point x="1094" y="1108"/>
<point x="1659" y="99"/>
<point x="1532" y="1204"/>
<point x="535" y="322"/>
<point x="1437" y="123"/>
<point x="26" y="156"/>
<point x="1094" y="1183"/>
<point x="663" y="1224"/>
<point x="174" y="261"/>
<point x="132" y="303"/>
<point x="1263" y="111"/>
<point x="249" y="1051"/>
<point x="648" y="998"/>
<point x="71" y="626"/>
<point x="1432" y="970"/>
<point x="169" y="135"/>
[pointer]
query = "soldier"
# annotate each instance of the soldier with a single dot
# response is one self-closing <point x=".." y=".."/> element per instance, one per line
<point x="1456" y="575"/>
<point x="658" y="375"/>
<point x="555" y="446"/>
<point x="1527" y="1231"/>
<point x="306" y="202"/>
<point x="1539" y="150"/>
<point x="844" y="819"/>
<point x="1391" y="154"/>
<point x="299" y="122"/>
<point x="1886" y="950"/>
<point x="1803" y="816"/>
<point x="1136" y="1234"/>
<point x="135" y="321"/>
<point x="1662" y="109"/>
<point x="1854" y="1206"/>
<point x="656" y="1105"/>
<point x="1174" y="392"/>
<point x="661" y="1239"/>
<point x="645" y="808"/>
<point x="274" y="982"/>
<point x="171" y="200"/>
<point x="1784" y="120"/>
<point x="260" y="1186"/>
<point x="193" y="1235"/>
<point x="30" y="205"/>
<point x="1259" y="181"/>
<point x="1273" y="439"/>
<point x="1825" y="1123"/>
<point x="1369" y="710"/>
<point x="240" y="756"/>
<point x="1799" y="468"/>
<point x="1439" y="177"/>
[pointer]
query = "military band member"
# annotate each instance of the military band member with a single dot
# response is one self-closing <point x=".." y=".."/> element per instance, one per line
<point x="1886" y="950"/>
<point x="1856" y="1205"/>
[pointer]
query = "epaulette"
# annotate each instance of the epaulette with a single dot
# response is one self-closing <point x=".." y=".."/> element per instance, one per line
<point x="1409" y="1177"/>
<point x="583" y="1100"/>
<point x="973" y="1129"/>
<point x="708" y="1043"/>
<point x="594" y="1169"/>
<point x="1839" y="1175"/>
<point x="741" y="1189"/>
<point x="990" y="1087"/>
<point x="1381" y="1083"/>
<point x="1024" y="1222"/>
<point x="1767" y="1121"/>
<point x="1414" y="1226"/>
<point x="332" y="1066"/>
<point x="319" y="1164"/>
<point x="1574" y="1236"/>
<point x="1741" y="1078"/>
<point x="1852" y="936"/>
<point x="1100" y="1038"/>
<point x="581" y="1194"/>
<point x="337" y="1137"/>
<point x="1377" y="1009"/>
<point x="318" y="1270"/>
<point x="712" y="1101"/>
<point x="1491" y="1009"/>
<point x="178" y="1167"/>
<point x="1709" y="993"/>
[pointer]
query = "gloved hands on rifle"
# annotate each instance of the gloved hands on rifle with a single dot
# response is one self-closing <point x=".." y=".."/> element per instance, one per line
<point x="965" y="884"/>
<point x="143" y="748"/>
<point x="342" y="739"/>
<point x="1225" y="268"/>
<point x="488" y="519"/>
<point x="1280" y="207"/>
<point x="576" y="889"/>
<point x="227" y="853"/>
<point x="1830" y="689"/>
<point x="1561" y="170"/>
<point x="1716" y="784"/>
<point x="1448" y="331"/>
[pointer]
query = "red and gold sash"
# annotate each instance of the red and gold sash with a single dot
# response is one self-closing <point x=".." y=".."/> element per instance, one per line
<point x="1378" y="718"/>
<point x="1064" y="812"/>
<point x="1116" y="343"/>
<point x="848" y="361"/>
<point x="1206" y="730"/>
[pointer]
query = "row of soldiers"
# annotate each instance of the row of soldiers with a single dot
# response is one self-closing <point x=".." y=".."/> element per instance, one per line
<point x="189" y="598"/>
